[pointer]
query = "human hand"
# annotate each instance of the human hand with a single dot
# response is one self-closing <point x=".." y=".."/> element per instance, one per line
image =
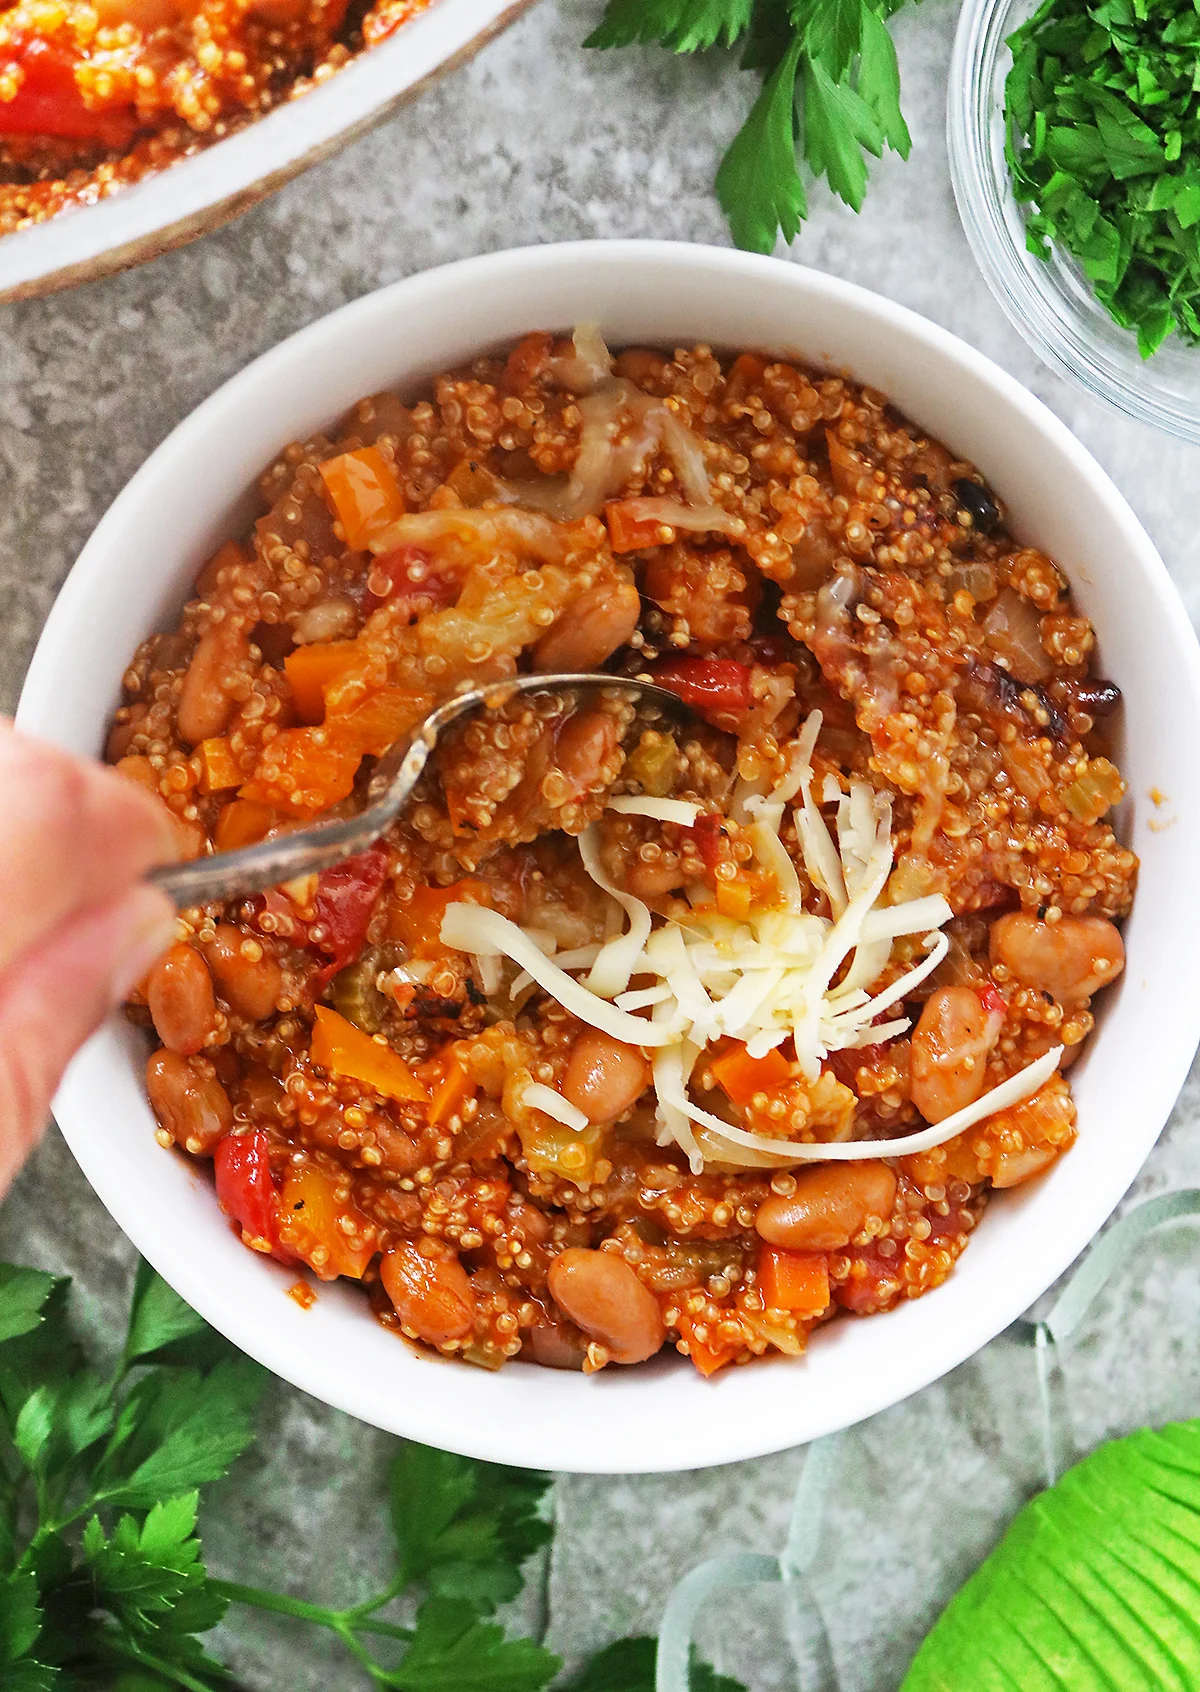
<point x="78" y="926"/>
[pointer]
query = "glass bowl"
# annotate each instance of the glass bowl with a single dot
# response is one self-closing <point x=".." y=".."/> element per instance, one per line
<point x="1050" y="302"/>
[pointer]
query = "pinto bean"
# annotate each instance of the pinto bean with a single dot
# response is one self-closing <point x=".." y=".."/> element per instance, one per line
<point x="590" y="629"/>
<point x="604" y="1077"/>
<point x="433" y="1296"/>
<point x="830" y="1205"/>
<point x="1072" y="958"/>
<point x="189" y="1101"/>
<point x="557" y="1345"/>
<point x="248" y="976"/>
<point x="950" y="1048"/>
<point x="179" y="991"/>
<point x="205" y="702"/>
<point x="602" y="1295"/>
<point x="583" y="748"/>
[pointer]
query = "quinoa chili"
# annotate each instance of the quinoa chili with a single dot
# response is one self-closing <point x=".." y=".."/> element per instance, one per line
<point x="96" y="94"/>
<point x="885" y="685"/>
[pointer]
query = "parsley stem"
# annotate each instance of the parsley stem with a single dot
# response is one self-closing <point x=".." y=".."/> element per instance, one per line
<point x="345" y="1623"/>
<point x="135" y="1653"/>
<point x="368" y="1608"/>
<point x="277" y="1602"/>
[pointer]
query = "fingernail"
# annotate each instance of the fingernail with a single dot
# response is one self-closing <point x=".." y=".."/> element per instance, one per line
<point x="150" y="926"/>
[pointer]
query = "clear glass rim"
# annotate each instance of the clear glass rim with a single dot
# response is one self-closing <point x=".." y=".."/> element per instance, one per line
<point x="1019" y="281"/>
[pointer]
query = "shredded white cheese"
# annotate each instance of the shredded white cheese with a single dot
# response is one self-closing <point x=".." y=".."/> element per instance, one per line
<point x="1019" y="1086"/>
<point x="762" y="980"/>
<point x="550" y="1103"/>
<point x="662" y="810"/>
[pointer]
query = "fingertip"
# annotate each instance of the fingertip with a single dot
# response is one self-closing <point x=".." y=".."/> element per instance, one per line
<point x="142" y="926"/>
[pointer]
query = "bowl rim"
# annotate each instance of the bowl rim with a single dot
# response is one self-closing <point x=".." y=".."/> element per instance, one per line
<point x="725" y="1440"/>
<point x="188" y="198"/>
<point x="1017" y="279"/>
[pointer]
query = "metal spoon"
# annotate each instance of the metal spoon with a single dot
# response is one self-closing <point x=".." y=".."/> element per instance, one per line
<point x="252" y="869"/>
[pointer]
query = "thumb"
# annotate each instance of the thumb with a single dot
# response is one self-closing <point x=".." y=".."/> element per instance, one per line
<point x="57" y="993"/>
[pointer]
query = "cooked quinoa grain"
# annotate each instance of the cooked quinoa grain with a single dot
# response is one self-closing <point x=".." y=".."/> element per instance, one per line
<point x="769" y="543"/>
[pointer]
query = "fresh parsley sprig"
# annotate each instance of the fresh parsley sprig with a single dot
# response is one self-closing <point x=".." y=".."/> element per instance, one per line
<point x="830" y="88"/>
<point x="102" y="1577"/>
<point x="1103" y="143"/>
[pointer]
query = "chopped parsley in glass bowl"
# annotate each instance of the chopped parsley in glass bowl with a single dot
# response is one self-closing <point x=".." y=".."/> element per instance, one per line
<point x="1052" y="299"/>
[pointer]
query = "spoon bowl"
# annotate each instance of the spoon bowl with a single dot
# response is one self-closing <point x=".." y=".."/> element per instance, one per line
<point x="252" y="869"/>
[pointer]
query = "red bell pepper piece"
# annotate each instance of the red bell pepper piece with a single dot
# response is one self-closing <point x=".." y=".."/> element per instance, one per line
<point x="246" y="1190"/>
<point x="48" y="100"/>
<point x="717" y="688"/>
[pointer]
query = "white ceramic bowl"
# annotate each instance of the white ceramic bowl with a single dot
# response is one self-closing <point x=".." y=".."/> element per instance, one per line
<point x="198" y="194"/>
<point x="136" y="571"/>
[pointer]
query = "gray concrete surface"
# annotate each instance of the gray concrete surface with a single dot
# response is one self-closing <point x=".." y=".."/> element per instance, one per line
<point x="537" y="141"/>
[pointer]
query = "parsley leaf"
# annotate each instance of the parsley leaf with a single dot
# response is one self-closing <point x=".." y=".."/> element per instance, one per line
<point x="838" y="126"/>
<point x="833" y="58"/>
<point x="177" y="1429"/>
<point x="161" y="1323"/>
<point x="453" y="1651"/>
<point x="758" y="184"/>
<point x="685" y="26"/>
<point x="464" y="1528"/>
<point x="23" y="1295"/>
<point x="1103" y="146"/>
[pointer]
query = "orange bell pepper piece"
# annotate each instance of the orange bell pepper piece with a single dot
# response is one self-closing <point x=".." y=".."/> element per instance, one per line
<point x="739" y="897"/>
<point x="742" y="1076"/>
<point x="241" y="823"/>
<point x="320" y="764"/>
<point x="450" y="1087"/>
<point x="418" y="924"/>
<point x="310" y="1217"/>
<point x="708" y="1354"/>
<point x="794" y="1280"/>
<point x="225" y="557"/>
<point x="746" y="372"/>
<point x="365" y="494"/>
<point x="343" y="1049"/>
<point x="219" y="768"/>
<point x="309" y="669"/>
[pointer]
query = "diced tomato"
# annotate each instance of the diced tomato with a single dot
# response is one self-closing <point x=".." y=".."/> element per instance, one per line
<point x="342" y="1049"/>
<point x="246" y="1191"/>
<point x="527" y="361"/>
<point x="631" y="526"/>
<point x="992" y="999"/>
<point x="741" y="1076"/>
<point x="794" y="1280"/>
<point x="48" y="100"/>
<point x="346" y="896"/>
<point x="706" y="832"/>
<point x="403" y="577"/>
<point x="717" y="688"/>
<point x="365" y="494"/>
